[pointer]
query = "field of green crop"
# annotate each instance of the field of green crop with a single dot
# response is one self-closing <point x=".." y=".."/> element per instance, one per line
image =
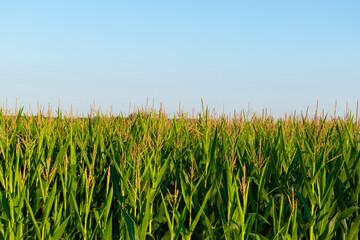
<point x="149" y="176"/>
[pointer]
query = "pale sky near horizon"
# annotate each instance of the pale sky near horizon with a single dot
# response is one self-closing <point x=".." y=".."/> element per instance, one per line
<point x="279" y="55"/>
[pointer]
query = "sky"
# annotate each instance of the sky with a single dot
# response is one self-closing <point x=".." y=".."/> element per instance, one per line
<point x="279" y="55"/>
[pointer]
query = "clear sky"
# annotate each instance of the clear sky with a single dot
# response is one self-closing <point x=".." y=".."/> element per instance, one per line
<point x="279" y="55"/>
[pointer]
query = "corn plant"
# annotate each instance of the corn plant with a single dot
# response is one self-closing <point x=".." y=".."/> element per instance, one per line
<point x="152" y="176"/>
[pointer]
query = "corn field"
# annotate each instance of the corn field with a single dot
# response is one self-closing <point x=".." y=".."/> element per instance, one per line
<point x="149" y="176"/>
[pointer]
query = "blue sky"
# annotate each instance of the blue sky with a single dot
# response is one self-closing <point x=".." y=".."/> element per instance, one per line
<point x="279" y="55"/>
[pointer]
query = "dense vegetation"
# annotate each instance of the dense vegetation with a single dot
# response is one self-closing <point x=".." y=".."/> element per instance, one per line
<point x="154" y="177"/>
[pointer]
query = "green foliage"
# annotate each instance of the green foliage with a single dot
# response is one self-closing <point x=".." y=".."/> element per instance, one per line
<point x="151" y="177"/>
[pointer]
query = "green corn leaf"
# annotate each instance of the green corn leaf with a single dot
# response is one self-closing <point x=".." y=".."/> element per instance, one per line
<point x="307" y="211"/>
<point x="36" y="226"/>
<point x="354" y="229"/>
<point x="169" y="223"/>
<point x="262" y="183"/>
<point x="77" y="214"/>
<point x="201" y="210"/>
<point x="180" y="227"/>
<point x="108" y="204"/>
<point x="344" y="215"/>
<point x="49" y="205"/>
<point x="249" y="223"/>
<point x="108" y="229"/>
<point x="6" y="207"/>
<point x="130" y="226"/>
<point x="59" y="231"/>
